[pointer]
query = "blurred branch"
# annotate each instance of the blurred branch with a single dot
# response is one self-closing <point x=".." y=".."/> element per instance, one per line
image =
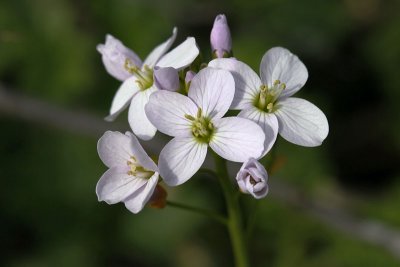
<point x="82" y="123"/>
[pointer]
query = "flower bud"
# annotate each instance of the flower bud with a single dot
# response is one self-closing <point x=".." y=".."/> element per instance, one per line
<point x="166" y="78"/>
<point x="252" y="179"/>
<point x="115" y="56"/>
<point x="189" y="76"/>
<point x="159" y="198"/>
<point x="220" y="38"/>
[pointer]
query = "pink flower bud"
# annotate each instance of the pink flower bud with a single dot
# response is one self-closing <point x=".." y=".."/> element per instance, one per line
<point x="189" y="76"/>
<point x="166" y="78"/>
<point x="115" y="56"/>
<point x="252" y="179"/>
<point x="220" y="38"/>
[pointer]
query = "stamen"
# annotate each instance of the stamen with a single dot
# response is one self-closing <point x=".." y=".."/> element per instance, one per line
<point x="202" y="127"/>
<point x="190" y="117"/>
<point x="270" y="106"/>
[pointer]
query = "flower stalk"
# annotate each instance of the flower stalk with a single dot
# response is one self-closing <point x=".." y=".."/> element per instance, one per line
<point x="234" y="222"/>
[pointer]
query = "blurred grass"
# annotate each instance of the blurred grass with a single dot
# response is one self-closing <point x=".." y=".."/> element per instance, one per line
<point x="49" y="214"/>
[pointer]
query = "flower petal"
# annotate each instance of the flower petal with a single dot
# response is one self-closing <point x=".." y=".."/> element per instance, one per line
<point x="114" y="54"/>
<point x="140" y="124"/>
<point x="160" y="50"/>
<point x="166" y="111"/>
<point x="116" y="184"/>
<point x="114" y="149"/>
<point x="180" y="159"/>
<point x="212" y="90"/>
<point x="237" y="139"/>
<point x="140" y="154"/>
<point x="247" y="82"/>
<point x="121" y="99"/>
<point x="280" y="64"/>
<point x="138" y="199"/>
<point x="267" y="121"/>
<point x="166" y="78"/>
<point x="301" y="122"/>
<point x="181" y="56"/>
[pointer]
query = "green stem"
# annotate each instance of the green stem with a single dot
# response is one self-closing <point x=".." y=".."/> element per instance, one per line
<point x="234" y="223"/>
<point x="205" y="212"/>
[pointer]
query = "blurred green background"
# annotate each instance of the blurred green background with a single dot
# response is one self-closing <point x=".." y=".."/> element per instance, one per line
<point x="49" y="214"/>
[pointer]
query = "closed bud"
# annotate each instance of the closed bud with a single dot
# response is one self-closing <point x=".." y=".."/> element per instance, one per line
<point x="220" y="38"/>
<point x="252" y="179"/>
<point x="159" y="198"/>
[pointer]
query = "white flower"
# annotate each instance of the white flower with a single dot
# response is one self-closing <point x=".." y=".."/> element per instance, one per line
<point x="196" y="122"/>
<point x="137" y="89"/>
<point x="268" y="100"/>
<point x="132" y="176"/>
<point x="252" y="179"/>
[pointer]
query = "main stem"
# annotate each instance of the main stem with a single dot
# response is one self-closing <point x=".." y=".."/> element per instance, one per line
<point x="234" y="223"/>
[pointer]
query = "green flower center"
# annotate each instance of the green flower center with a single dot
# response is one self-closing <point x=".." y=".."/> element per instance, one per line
<point x="202" y="127"/>
<point x="138" y="170"/>
<point x="267" y="96"/>
<point x="144" y="75"/>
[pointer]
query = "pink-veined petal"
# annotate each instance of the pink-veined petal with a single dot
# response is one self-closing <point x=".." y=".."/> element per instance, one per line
<point x="301" y="122"/>
<point x="181" y="56"/>
<point x="122" y="98"/>
<point x="114" y="149"/>
<point x="237" y="139"/>
<point x="160" y="50"/>
<point x="267" y="121"/>
<point x="140" y="124"/>
<point x="212" y="90"/>
<point x="140" y="154"/>
<point x="280" y="64"/>
<point x="116" y="184"/>
<point x="136" y="201"/>
<point x="180" y="159"/>
<point x="247" y="82"/>
<point x="166" y="111"/>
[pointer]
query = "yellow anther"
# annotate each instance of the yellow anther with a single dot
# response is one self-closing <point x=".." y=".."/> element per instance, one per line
<point x="199" y="111"/>
<point x="270" y="106"/>
<point x="277" y="82"/>
<point x="190" y="117"/>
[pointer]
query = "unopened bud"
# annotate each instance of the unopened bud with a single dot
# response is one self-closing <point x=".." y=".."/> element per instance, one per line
<point x="220" y="38"/>
<point x="159" y="198"/>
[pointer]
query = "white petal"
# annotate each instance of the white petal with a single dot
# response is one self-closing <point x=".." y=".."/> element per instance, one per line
<point x="121" y="99"/>
<point x="140" y="154"/>
<point x="140" y="124"/>
<point x="280" y="64"/>
<point x="166" y="110"/>
<point x="267" y="121"/>
<point x="114" y="54"/>
<point x="116" y="184"/>
<point x="247" y="82"/>
<point x="301" y="122"/>
<point x="138" y="199"/>
<point x="181" y="56"/>
<point x="180" y="159"/>
<point x="237" y="139"/>
<point x="212" y="90"/>
<point x="114" y="149"/>
<point x="160" y="50"/>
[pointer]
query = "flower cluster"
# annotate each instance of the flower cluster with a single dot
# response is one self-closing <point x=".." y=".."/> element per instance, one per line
<point x="174" y="94"/>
